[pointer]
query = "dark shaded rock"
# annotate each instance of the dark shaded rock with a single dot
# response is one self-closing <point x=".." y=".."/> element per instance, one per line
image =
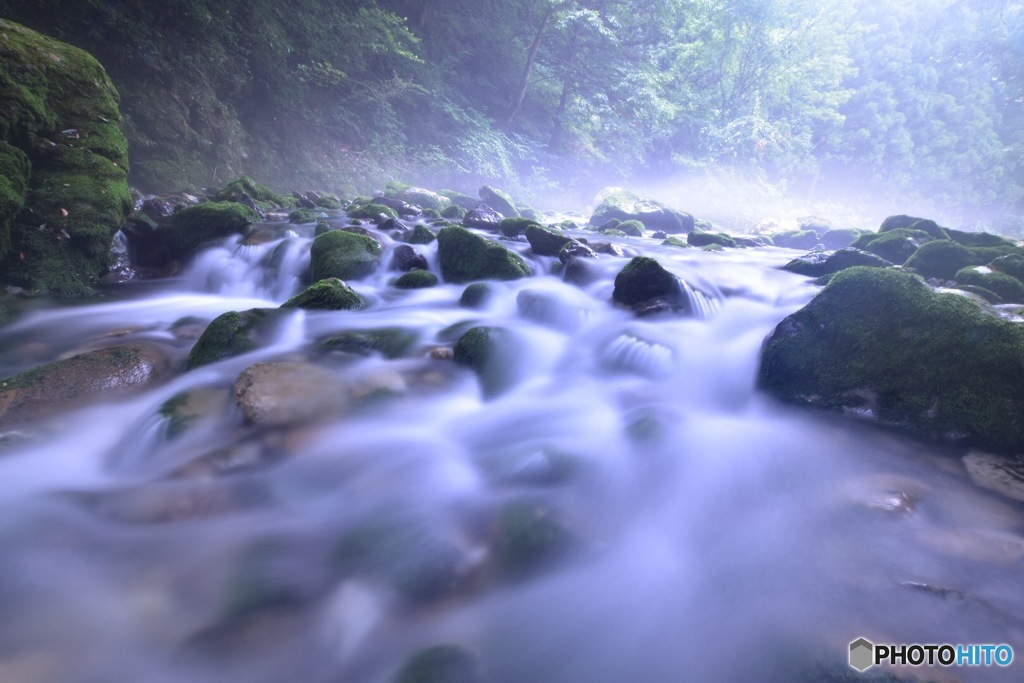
<point x="698" y="238"/>
<point x="978" y="239"/>
<point x="482" y="216"/>
<point x="232" y="334"/>
<point x="389" y="342"/>
<point x="489" y="352"/>
<point x="643" y="279"/>
<point x="821" y="263"/>
<point x="343" y="255"/>
<point x="416" y="279"/>
<point x="464" y="256"/>
<point x="459" y="199"/>
<point x="499" y="201"/>
<point x="330" y="294"/>
<point x="202" y="224"/>
<point x="546" y="241"/>
<point x="515" y="226"/>
<point x="453" y="213"/>
<point x="441" y="664"/>
<point x="421" y="235"/>
<point x="395" y="224"/>
<point x="573" y="250"/>
<point x="47" y="388"/>
<point x="248" y="192"/>
<point x="532" y="537"/>
<point x="476" y="295"/>
<point x="624" y="205"/>
<point x="405" y="258"/>
<point x="608" y="248"/>
<point x="581" y="272"/>
<point x="1011" y="264"/>
<point x="881" y="342"/>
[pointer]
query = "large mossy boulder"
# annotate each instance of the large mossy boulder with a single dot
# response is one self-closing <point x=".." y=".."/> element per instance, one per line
<point x="643" y="279"/>
<point x="820" y="263"/>
<point x="499" y="201"/>
<point x="546" y="241"/>
<point x="700" y="238"/>
<point x="624" y="205"/>
<point x="343" y="255"/>
<point x="232" y="334"/>
<point x="880" y="342"/>
<point x="796" y="239"/>
<point x="425" y="199"/>
<point x="247" y="191"/>
<point x="330" y="294"/>
<point x="896" y="245"/>
<point x="63" y="164"/>
<point x="441" y="664"/>
<point x="1006" y="287"/>
<point x="939" y="258"/>
<point x="195" y="226"/>
<point x="464" y="256"/>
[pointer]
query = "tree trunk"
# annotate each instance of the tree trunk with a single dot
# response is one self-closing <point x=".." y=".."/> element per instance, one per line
<point x="531" y="59"/>
<point x="563" y="104"/>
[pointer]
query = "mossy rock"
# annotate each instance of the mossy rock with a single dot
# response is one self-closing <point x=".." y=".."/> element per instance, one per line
<point x="330" y="294"/>
<point x="528" y="212"/>
<point x="546" y="241"/>
<point x="881" y="340"/>
<point x="425" y="199"/>
<point x="633" y="228"/>
<point x="896" y="245"/>
<point x="246" y="188"/>
<point x="476" y="295"/>
<point x="612" y="232"/>
<point x="459" y="199"/>
<point x="232" y="334"/>
<point x="499" y="201"/>
<point x="981" y="256"/>
<point x="416" y="278"/>
<point x="795" y="239"/>
<point x="839" y="238"/>
<point x="453" y="212"/>
<point x="303" y="216"/>
<point x="643" y="278"/>
<point x="421" y="234"/>
<point x="490" y="352"/>
<point x="464" y="256"/>
<point x="186" y="409"/>
<point x="1011" y="264"/>
<point x="673" y="241"/>
<point x="343" y="255"/>
<point x="978" y="239"/>
<point x="41" y="390"/>
<point x="821" y="263"/>
<point x="987" y="295"/>
<point x="939" y="259"/>
<point x="898" y="221"/>
<point x="625" y="205"/>
<point x="531" y="537"/>
<point x="441" y="664"/>
<point x="515" y="226"/>
<point x="63" y="164"/>
<point x="1007" y="287"/>
<point x="389" y="342"/>
<point x="372" y="212"/>
<point x="195" y="226"/>
<point x="698" y="238"/>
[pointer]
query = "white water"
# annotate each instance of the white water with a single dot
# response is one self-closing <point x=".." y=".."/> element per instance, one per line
<point x="716" y="532"/>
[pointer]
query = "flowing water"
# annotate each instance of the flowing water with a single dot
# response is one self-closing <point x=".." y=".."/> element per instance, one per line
<point x="710" y="533"/>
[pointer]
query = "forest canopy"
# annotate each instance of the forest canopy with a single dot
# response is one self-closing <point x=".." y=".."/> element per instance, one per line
<point x="882" y="98"/>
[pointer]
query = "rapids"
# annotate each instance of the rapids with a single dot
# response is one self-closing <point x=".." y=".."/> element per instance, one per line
<point x="717" y="535"/>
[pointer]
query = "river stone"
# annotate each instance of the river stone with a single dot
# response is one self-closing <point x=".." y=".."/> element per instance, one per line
<point x="344" y="255"/>
<point x="484" y="217"/>
<point x="625" y="205"/>
<point x="939" y="258"/>
<point x="418" y="196"/>
<point x="277" y="394"/>
<point x="701" y="238"/>
<point x="195" y="226"/>
<point x="545" y="241"/>
<point x="499" y="201"/>
<point x="490" y="352"/>
<point x="417" y="278"/>
<point x="330" y="294"/>
<point x="420" y="234"/>
<point x="896" y="245"/>
<point x="185" y="409"/>
<point x="464" y="256"/>
<point x="1006" y="287"/>
<point x="232" y="334"/>
<point x="1004" y="475"/>
<point x="441" y="664"/>
<point x="532" y="536"/>
<point x="573" y="250"/>
<point x="880" y="342"/>
<point x="820" y="263"/>
<point x="515" y="226"/>
<point x="56" y="385"/>
<point x="643" y="280"/>
<point x="404" y="258"/>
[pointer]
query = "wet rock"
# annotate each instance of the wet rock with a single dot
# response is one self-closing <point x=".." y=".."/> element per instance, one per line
<point x="390" y="342"/>
<point x="1006" y="287"/>
<point x="490" y="353"/>
<point x="895" y="246"/>
<point x="464" y="256"/>
<point x="1004" y="475"/>
<point x="546" y="241"/>
<point x="644" y="280"/>
<point x="402" y="208"/>
<point x="531" y="537"/>
<point x="515" y="226"/>
<point x="454" y="213"/>
<point x="574" y="250"/>
<point x="343" y="255"/>
<point x="64" y="383"/>
<point x="674" y="241"/>
<point x="581" y="272"/>
<point x="416" y="279"/>
<point x="881" y="342"/>
<point x="499" y="201"/>
<point x="421" y="234"/>
<point x="624" y="205"/>
<point x="278" y="394"/>
<point x="821" y="263"/>
<point x="700" y="238"/>
<point x="185" y="410"/>
<point x="418" y="196"/>
<point x="232" y="334"/>
<point x="484" y="217"/>
<point x="378" y="213"/>
<point x="459" y="199"/>
<point x="202" y="224"/>
<point x="441" y="664"/>
<point x="939" y="259"/>
<point x="476" y="295"/>
<point x="330" y="294"/>
<point x="302" y="216"/>
<point x="631" y="228"/>
<point x="795" y="239"/>
<point x="405" y="258"/>
<point x="395" y="226"/>
<point x="608" y="248"/>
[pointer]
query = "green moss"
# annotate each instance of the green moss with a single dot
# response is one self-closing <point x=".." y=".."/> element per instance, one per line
<point x="515" y="226"/>
<point x="1011" y="264"/>
<point x="633" y="228"/>
<point x="939" y="258"/>
<point x="417" y="278"/>
<point x="499" y="201"/>
<point x="644" y="278"/>
<point x="546" y="241"/>
<point x="390" y="342"/>
<point x="464" y="256"/>
<point x="612" y="232"/>
<point x="896" y="245"/>
<point x="15" y="171"/>
<point x="881" y="339"/>
<point x="1008" y="288"/>
<point x="425" y="199"/>
<point x="432" y="215"/>
<point x="838" y="238"/>
<point x="625" y="205"/>
<point x="301" y="216"/>
<point x="460" y="199"/>
<point x="453" y="212"/>
<point x="372" y="212"/>
<point x="817" y="264"/>
<point x="988" y="295"/>
<point x="238" y="190"/>
<point x="343" y="255"/>
<point x="476" y="295"/>
<point x="704" y="239"/>
<point x="230" y="334"/>
<point x="441" y="664"/>
<point x="981" y="256"/>
<point x="898" y="221"/>
<point x="796" y="239"/>
<point x="978" y="239"/>
<point x="673" y="241"/>
<point x="421" y="235"/>
<point x="200" y="224"/>
<point x="330" y="294"/>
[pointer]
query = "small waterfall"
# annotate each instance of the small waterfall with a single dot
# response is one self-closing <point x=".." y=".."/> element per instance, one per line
<point x="702" y="305"/>
<point x="119" y="263"/>
<point x="272" y="270"/>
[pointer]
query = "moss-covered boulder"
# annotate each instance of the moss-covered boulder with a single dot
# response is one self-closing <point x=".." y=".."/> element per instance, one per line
<point x="202" y="224"/>
<point x="329" y="294"/>
<point x="699" y="238"/>
<point x="632" y="228"/>
<point x="476" y="295"/>
<point x="389" y="342"/>
<point x="515" y="226"/>
<point x="421" y="234"/>
<point x="491" y="353"/>
<point x="673" y="241"/>
<point x="464" y="256"/>
<point x="940" y="259"/>
<point x="546" y="241"/>
<point x="422" y="198"/>
<point x="839" y="238"/>
<point x="1011" y="264"/>
<point x="933" y="229"/>
<point x="459" y="199"/>
<point x="821" y="263"/>
<point x="372" y="212"/>
<point x="247" y="191"/>
<point x="881" y="342"/>
<point x="1008" y="288"/>
<point x="232" y="334"/>
<point x="625" y="205"/>
<point x="898" y="221"/>
<point x="895" y="245"/>
<point x="795" y="239"/>
<point x="343" y="255"/>
<point x="499" y="201"/>
<point x="441" y="664"/>
<point x="978" y="239"/>
<point x="63" y="164"/>
<point x="84" y="377"/>
<point x="644" y="279"/>
<point x="416" y="278"/>
<point x="453" y="213"/>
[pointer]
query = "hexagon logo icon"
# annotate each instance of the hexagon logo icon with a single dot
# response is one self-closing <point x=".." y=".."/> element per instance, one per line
<point x="862" y="654"/>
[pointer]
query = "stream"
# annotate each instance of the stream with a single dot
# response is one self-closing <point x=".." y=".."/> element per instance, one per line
<point x="711" y="533"/>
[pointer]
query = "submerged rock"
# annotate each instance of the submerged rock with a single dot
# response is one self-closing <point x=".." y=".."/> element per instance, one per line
<point x="343" y="255"/>
<point x="286" y="393"/>
<point x="441" y="664"/>
<point x="417" y="278"/>
<point x="489" y="352"/>
<point x="56" y="385"/>
<point x="464" y="256"/>
<point x="531" y="537"/>
<point x="232" y="334"/>
<point x="405" y="258"/>
<point x="880" y="342"/>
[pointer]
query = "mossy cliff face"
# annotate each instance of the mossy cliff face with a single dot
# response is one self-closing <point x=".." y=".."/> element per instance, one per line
<point x="881" y="340"/>
<point x="63" y="162"/>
